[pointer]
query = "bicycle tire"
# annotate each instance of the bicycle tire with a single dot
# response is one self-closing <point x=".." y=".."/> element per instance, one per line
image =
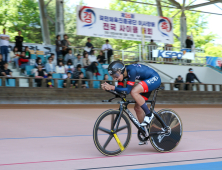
<point x="96" y="129"/>
<point x="166" y="142"/>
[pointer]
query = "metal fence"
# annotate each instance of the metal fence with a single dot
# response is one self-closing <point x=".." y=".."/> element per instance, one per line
<point x="90" y="84"/>
<point x="144" y="54"/>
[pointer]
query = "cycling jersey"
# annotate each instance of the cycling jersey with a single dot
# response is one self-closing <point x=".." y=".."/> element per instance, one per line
<point x="150" y="79"/>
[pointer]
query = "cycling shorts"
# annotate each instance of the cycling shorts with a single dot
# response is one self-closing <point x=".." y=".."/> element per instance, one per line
<point x="150" y="84"/>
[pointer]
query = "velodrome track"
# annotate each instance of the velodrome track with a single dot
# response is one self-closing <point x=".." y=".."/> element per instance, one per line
<point x="34" y="137"/>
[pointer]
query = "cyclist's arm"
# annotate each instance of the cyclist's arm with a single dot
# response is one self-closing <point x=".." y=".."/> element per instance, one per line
<point x="130" y="83"/>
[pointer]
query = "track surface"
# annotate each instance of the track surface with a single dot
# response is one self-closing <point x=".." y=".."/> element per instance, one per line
<point x="61" y="139"/>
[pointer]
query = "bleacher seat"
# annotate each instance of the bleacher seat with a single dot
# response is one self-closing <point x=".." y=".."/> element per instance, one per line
<point x="33" y="56"/>
<point x="10" y="82"/>
<point x="95" y="83"/>
<point x="56" y="76"/>
<point x="0" y="82"/>
<point x="28" y="69"/>
<point x="84" y="71"/>
<point x="60" y="83"/>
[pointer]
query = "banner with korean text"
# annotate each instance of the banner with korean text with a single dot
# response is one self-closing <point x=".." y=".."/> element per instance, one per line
<point x="121" y="25"/>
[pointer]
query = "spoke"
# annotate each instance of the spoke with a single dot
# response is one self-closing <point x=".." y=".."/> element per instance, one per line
<point x="121" y="128"/>
<point x="108" y="140"/>
<point x="104" y="130"/>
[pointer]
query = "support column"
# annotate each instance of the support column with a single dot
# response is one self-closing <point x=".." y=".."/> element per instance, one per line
<point x="60" y="28"/>
<point x="159" y="8"/>
<point x="183" y="29"/>
<point x="44" y="23"/>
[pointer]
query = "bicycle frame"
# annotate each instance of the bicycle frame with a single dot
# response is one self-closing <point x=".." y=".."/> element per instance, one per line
<point x="123" y="108"/>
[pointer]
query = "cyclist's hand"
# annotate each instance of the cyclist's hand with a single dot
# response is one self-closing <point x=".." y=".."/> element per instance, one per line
<point x="109" y="87"/>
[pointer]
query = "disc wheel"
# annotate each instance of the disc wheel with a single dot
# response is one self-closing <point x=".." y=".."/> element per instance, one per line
<point x="169" y="141"/>
<point x="109" y="140"/>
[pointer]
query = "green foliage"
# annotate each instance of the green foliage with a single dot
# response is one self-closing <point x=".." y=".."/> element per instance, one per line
<point x="21" y="15"/>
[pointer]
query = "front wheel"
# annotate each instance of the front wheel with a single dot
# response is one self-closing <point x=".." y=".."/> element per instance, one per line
<point x="170" y="140"/>
<point x="108" y="139"/>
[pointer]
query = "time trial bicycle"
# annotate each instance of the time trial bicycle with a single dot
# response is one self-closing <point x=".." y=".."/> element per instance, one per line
<point x="164" y="132"/>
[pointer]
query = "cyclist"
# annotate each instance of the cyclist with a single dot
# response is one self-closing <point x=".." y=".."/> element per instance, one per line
<point x="149" y="81"/>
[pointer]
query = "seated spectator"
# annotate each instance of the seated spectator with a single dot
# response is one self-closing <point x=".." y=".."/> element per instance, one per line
<point x="15" y="56"/>
<point x="179" y="79"/>
<point x="101" y="58"/>
<point x="78" y="61"/>
<point x="69" y="56"/>
<point x="92" y="57"/>
<point x="39" y="63"/>
<point x="106" y="77"/>
<point x="60" y="68"/>
<point x="1" y="62"/>
<point x="69" y="68"/>
<point x="82" y="81"/>
<point x="39" y="74"/>
<point x="27" y="53"/>
<point x="86" y="61"/>
<point x="23" y="61"/>
<point x="49" y="81"/>
<point x="77" y="71"/>
<point x="92" y="70"/>
<point x="50" y="67"/>
<point x="5" y="71"/>
<point x="53" y="59"/>
<point x="69" y="75"/>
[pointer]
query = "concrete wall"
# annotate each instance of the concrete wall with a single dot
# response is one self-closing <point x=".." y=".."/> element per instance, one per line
<point x="204" y="74"/>
<point x="12" y="95"/>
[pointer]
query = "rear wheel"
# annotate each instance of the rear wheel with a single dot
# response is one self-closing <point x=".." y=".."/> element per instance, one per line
<point x="109" y="140"/>
<point x="170" y="140"/>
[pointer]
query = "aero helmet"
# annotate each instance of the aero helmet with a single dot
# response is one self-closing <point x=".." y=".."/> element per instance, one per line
<point x="116" y="66"/>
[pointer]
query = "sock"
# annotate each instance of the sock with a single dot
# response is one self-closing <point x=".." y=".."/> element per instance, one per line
<point x="146" y="110"/>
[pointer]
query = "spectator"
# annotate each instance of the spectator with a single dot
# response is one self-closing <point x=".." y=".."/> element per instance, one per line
<point x="49" y="81"/>
<point x="106" y="77"/>
<point x="69" y="68"/>
<point x="189" y="42"/>
<point x="4" y="43"/>
<point x="60" y="68"/>
<point x="151" y="46"/>
<point x="39" y="74"/>
<point x="1" y="62"/>
<point x="27" y="53"/>
<point x="39" y="63"/>
<point x="59" y="46"/>
<point x="179" y="79"/>
<point x="15" y="56"/>
<point x="69" y="56"/>
<point x="78" y="60"/>
<point x="108" y="49"/>
<point x="92" y="57"/>
<point x="5" y="71"/>
<point x="190" y="78"/>
<point x="77" y="71"/>
<point x="221" y="66"/>
<point x="101" y="58"/>
<point x="19" y="41"/>
<point x="50" y="67"/>
<point x="81" y="81"/>
<point x="23" y="61"/>
<point x="53" y="59"/>
<point x="68" y="79"/>
<point x="86" y="61"/>
<point x="92" y="70"/>
<point x="66" y="42"/>
<point x="89" y="46"/>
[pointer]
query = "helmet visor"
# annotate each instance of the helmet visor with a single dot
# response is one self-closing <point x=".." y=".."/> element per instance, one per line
<point x="116" y="75"/>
